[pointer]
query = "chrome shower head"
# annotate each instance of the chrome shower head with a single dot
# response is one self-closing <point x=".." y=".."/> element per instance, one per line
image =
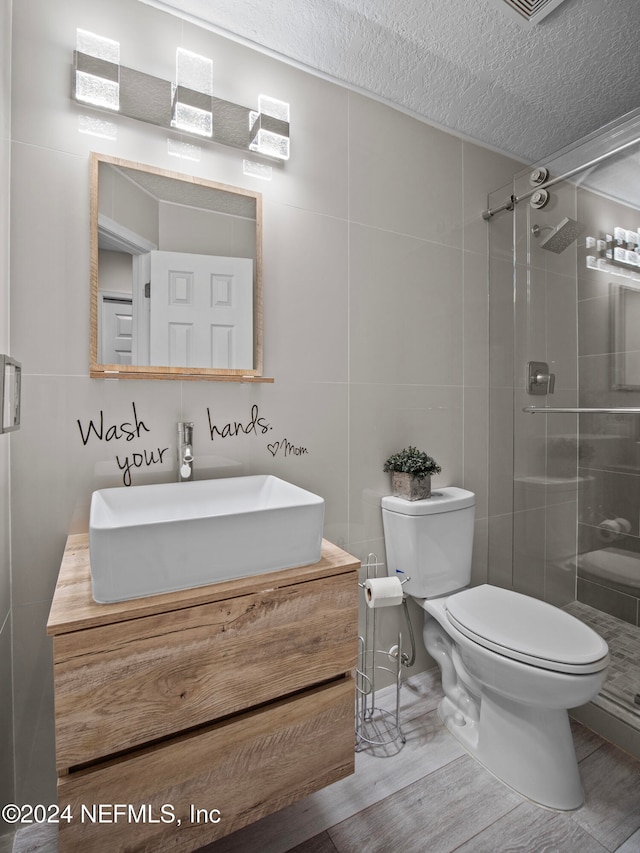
<point x="561" y="236"/>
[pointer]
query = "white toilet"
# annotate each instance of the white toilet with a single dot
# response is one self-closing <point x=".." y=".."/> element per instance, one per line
<point x="511" y="665"/>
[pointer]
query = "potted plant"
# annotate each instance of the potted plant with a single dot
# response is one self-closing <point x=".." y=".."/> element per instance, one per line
<point x="411" y="471"/>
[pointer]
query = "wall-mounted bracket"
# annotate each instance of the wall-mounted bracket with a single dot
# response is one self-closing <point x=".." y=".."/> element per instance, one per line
<point x="10" y="376"/>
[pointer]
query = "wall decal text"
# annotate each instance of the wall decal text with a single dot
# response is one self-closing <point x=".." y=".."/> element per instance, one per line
<point x="104" y="429"/>
<point x="285" y="448"/>
<point x="256" y="425"/>
<point x="139" y="460"/>
<point x="101" y="430"/>
<point x="126" y="430"/>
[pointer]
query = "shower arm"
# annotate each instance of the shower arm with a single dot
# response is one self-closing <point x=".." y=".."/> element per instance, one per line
<point x="513" y="199"/>
<point x="553" y="410"/>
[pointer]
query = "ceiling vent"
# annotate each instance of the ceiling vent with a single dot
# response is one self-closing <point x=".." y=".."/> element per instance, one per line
<point x="527" y="12"/>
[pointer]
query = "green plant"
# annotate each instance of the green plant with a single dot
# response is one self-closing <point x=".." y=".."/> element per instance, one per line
<point x="412" y="461"/>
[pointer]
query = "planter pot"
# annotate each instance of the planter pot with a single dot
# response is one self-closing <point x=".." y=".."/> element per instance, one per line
<point x="410" y="487"/>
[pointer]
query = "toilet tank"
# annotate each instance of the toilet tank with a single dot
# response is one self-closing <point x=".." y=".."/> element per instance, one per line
<point x="430" y="541"/>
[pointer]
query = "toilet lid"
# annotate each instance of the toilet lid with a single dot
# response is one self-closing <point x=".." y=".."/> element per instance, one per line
<point x="526" y="629"/>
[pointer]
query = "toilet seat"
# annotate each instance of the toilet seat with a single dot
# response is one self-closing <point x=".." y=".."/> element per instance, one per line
<point x="527" y="630"/>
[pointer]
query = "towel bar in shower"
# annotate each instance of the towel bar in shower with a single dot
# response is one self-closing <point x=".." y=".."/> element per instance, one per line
<point x="553" y="410"/>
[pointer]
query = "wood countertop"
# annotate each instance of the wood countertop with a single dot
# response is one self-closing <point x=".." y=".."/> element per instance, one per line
<point x="73" y="607"/>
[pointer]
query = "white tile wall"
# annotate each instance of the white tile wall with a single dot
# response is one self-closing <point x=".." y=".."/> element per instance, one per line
<point x="375" y="310"/>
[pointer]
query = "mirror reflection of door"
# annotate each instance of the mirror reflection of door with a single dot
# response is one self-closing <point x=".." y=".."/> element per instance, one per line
<point x="116" y="327"/>
<point x="201" y="310"/>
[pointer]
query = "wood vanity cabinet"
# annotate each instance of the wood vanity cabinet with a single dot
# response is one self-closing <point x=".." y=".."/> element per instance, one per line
<point x="182" y="717"/>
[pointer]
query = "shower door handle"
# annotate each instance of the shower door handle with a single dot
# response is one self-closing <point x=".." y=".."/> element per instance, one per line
<point x="539" y="380"/>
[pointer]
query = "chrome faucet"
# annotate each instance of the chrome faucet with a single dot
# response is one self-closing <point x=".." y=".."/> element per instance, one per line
<point x="185" y="451"/>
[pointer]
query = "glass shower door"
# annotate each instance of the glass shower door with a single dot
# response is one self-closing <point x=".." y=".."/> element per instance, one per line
<point x="565" y="311"/>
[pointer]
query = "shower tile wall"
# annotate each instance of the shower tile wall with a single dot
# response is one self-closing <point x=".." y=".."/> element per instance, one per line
<point x="608" y="530"/>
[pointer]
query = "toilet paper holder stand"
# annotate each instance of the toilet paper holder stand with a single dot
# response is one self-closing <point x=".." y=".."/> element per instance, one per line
<point x="377" y="727"/>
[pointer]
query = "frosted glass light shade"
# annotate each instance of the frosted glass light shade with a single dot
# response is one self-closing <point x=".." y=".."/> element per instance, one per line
<point x="97" y="77"/>
<point x="191" y="119"/>
<point x="194" y="71"/>
<point x="272" y="107"/>
<point x="270" y="128"/>
<point x="192" y="93"/>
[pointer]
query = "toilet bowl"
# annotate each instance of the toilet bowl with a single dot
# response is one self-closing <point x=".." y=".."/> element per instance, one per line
<point x="507" y="704"/>
<point x="511" y="665"/>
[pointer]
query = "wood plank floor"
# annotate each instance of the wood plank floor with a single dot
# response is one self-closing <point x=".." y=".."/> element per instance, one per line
<point x="431" y="797"/>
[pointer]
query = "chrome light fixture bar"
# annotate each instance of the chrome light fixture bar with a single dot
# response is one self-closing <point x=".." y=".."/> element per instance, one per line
<point x="187" y="105"/>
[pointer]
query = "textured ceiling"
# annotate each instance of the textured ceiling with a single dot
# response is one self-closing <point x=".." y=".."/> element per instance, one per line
<point x="466" y="65"/>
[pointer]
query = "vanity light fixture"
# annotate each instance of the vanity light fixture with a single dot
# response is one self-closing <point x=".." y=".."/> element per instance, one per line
<point x="270" y="128"/>
<point x="97" y="70"/>
<point x="187" y="106"/>
<point x="191" y="107"/>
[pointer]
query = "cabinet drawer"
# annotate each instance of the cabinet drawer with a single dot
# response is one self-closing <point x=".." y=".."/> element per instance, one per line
<point x="140" y="680"/>
<point x="246" y="768"/>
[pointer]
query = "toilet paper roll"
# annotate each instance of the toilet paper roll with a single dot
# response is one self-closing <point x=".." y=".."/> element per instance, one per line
<point x="623" y="524"/>
<point x="383" y="592"/>
<point x="611" y="528"/>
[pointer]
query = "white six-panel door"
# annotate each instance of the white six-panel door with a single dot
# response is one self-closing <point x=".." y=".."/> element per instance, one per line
<point x="201" y="311"/>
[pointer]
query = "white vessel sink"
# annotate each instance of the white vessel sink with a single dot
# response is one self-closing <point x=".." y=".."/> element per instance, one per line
<point x="145" y="540"/>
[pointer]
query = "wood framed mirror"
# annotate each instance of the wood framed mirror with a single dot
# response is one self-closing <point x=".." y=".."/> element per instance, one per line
<point x="176" y="276"/>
